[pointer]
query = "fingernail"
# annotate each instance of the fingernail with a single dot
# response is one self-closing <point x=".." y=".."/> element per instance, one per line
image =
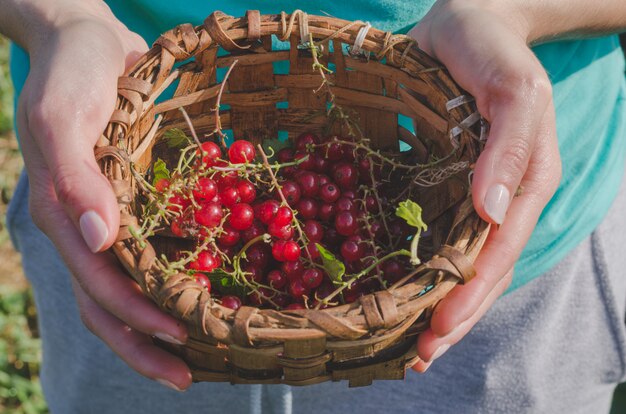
<point x="439" y="352"/>
<point x="168" y="338"/>
<point x="497" y="202"/>
<point x="168" y="384"/>
<point x="94" y="230"/>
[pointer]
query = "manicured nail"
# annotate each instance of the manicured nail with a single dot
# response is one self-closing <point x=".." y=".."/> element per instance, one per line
<point x="168" y="384"/>
<point x="168" y="338"/>
<point x="94" y="230"/>
<point x="497" y="202"/>
<point x="439" y="352"/>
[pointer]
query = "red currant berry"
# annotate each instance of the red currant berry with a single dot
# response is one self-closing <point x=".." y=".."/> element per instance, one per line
<point x="312" y="278"/>
<point x="206" y="262"/>
<point x="349" y="194"/>
<point x="252" y="232"/>
<point x="229" y="236"/>
<point x="176" y="228"/>
<point x="230" y="196"/>
<point x="285" y="155"/>
<point x="330" y="192"/>
<point x="309" y="183"/>
<point x="297" y="289"/>
<point x="210" y="153"/>
<point x="253" y="273"/>
<point x="209" y="215"/>
<point x="292" y="270"/>
<point x="241" y="151"/>
<point x="393" y="270"/>
<point x="327" y="212"/>
<point x="351" y="251"/>
<point x="205" y="189"/>
<point x="280" y="232"/>
<point x="278" y="250"/>
<point x="312" y="251"/>
<point x="267" y="210"/>
<point x="314" y="231"/>
<point x="295" y="306"/>
<point x="241" y="216"/>
<point x="321" y="164"/>
<point x="177" y="203"/>
<point x="291" y="191"/>
<point x="346" y="223"/>
<point x="333" y="151"/>
<point x="203" y="281"/>
<point x="352" y="293"/>
<point x="231" y="302"/>
<point x="306" y="161"/>
<point x="323" y="179"/>
<point x="307" y="208"/>
<point x="291" y="251"/>
<point x="258" y="255"/>
<point x="277" y="279"/>
<point x="246" y="190"/>
<point x="283" y="217"/>
<point x="306" y="142"/>
<point x="162" y="185"/>
<point x="345" y="204"/>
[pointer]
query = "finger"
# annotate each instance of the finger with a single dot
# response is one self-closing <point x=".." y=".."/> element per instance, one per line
<point x="504" y="245"/>
<point x="99" y="274"/>
<point x="69" y="104"/>
<point x="133" y="347"/>
<point x="430" y="346"/>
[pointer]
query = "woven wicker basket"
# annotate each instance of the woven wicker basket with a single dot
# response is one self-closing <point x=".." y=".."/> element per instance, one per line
<point x="383" y="77"/>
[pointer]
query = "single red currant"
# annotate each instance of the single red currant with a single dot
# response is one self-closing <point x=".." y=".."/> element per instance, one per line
<point x="229" y="236"/>
<point x="346" y="223"/>
<point x="203" y="281"/>
<point x="277" y="279"/>
<point x="229" y="196"/>
<point x="291" y="191"/>
<point x="241" y="151"/>
<point x="246" y="190"/>
<point x="267" y="210"/>
<point x="210" y="153"/>
<point x="312" y="278"/>
<point x="241" y="216"/>
<point x="314" y="231"/>
<point x="231" y="302"/>
<point x="291" y="251"/>
<point x="205" y="189"/>
<point x="209" y="215"/>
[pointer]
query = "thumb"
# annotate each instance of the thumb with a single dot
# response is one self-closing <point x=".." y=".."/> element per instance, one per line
<point x="504" y="161"/>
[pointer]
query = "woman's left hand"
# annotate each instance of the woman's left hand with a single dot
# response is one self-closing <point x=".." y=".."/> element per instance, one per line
<point x="484" y="46"/>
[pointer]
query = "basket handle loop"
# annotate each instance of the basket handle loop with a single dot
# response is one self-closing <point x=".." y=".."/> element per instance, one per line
<point x="254" y="25"/>
<point x="451" y="260"/>
<point x="214" y="29"/>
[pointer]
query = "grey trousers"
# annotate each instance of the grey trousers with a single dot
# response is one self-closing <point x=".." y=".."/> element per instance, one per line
<point x="556" y="345"/>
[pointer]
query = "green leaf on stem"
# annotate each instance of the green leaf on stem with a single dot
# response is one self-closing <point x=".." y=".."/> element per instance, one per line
<point x="411" y="212"/>
<point x="333" y="266"/>
<point x="160" y="171"/>
<point x="176" y="138"/>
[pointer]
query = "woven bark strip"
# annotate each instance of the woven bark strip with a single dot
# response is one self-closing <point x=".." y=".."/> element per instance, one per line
<point x="384" y="76"/>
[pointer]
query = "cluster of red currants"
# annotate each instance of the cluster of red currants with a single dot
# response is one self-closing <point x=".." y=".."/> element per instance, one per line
<point x="324" y="196"/>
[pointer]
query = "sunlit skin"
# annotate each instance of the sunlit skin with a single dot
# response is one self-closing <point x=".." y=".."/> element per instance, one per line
<point x="78" y="49"/>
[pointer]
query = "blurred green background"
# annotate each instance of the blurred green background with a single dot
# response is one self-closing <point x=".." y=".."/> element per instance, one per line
<point x="20" y="348"/>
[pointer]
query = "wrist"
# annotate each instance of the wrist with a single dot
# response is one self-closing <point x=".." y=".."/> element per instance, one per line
<point x="32" y="23"/>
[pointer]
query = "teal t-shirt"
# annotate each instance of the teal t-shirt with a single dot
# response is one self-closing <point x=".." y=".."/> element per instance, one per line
<point x="589" y="95"/>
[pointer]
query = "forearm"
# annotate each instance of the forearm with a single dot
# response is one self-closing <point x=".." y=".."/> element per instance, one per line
<point x="26" y="22"/>
<point x="545" y="20"/>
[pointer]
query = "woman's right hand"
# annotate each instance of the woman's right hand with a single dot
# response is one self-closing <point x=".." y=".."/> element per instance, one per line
<point x="76" y="58"/>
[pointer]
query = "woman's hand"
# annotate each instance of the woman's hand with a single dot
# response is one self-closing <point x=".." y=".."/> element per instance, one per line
<point x="76" y="58"/>
<point x="484" y="46"/>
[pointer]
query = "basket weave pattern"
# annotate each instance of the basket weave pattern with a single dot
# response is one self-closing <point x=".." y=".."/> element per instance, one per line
<point x="384" y="76"/>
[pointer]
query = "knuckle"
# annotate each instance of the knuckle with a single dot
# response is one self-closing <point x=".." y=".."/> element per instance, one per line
<point x="531" y="86"/>
<point x="65" y="181"/>
<point x="515" y="156"/>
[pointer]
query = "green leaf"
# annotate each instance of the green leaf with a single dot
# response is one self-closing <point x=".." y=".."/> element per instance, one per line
<point x="273" y="145"/>
<point x="175" y="138"/>
<point x="411" y="212"/>
<point x="160" y="171"/>
<point x="333" y="266"/>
